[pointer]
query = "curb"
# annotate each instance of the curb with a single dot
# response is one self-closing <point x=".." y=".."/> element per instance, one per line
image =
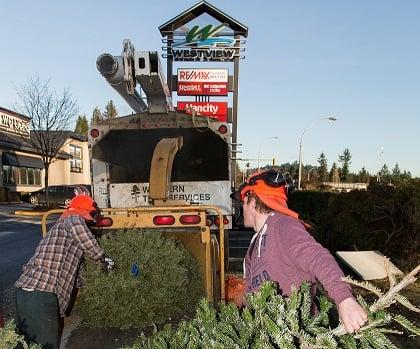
<point x="28" y="213"/>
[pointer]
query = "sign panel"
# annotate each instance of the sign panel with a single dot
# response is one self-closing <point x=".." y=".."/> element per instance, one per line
<point x="206" y="193"/>
<point x="203" y="75"/>
<point x="217" y="110"/>
<point x="207" y="82"/>
<point x="205" y="44"/>
<point x="14" y="124"/>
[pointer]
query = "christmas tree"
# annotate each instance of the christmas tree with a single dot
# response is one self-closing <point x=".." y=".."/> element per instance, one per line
<point x="155" y="279"/>
<point x="271" y="321"/>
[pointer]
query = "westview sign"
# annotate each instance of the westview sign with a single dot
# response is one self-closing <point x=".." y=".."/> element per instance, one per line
<point x="207" y="82"/>
<point x="204" y="45"/>
<point x="217" y="110"/>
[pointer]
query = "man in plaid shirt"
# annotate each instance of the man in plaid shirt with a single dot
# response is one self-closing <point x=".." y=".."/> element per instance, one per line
<point x="44" y="289"/>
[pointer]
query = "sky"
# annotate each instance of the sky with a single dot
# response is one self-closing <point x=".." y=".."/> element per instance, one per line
<point x="358" y="61"/>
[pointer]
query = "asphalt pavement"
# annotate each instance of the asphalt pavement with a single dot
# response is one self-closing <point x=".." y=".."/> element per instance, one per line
<point x="19" y="236"/>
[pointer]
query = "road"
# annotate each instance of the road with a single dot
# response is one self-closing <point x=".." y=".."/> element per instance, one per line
<point x="19" y="236"/>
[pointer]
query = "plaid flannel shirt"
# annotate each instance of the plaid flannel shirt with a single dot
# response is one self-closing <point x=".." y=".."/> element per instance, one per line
<point x="54" y="266"/>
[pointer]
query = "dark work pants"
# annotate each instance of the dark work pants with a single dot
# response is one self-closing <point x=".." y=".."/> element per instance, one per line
<point x="37" y="317"/>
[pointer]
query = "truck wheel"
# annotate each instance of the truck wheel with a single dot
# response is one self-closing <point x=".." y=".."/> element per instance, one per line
<point x="33" y="200"/>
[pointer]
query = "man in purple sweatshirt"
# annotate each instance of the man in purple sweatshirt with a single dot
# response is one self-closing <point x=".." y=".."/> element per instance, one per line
<point x="283" y="251"/>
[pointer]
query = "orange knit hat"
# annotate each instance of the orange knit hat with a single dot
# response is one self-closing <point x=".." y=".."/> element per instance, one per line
<point x="82" y="205"/>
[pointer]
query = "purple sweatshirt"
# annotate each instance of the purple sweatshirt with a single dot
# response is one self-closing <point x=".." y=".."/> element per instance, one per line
<point x="284" y="252"/>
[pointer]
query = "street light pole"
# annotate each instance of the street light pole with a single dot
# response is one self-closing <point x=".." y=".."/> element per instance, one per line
<point x="300" y="145"/>
<point x="309" y="172"/>
<point x="259" y="149"/>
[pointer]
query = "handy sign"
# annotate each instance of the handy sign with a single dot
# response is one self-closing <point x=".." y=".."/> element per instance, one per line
<point x="217" y="110"/>
<point x="207" y="82"/>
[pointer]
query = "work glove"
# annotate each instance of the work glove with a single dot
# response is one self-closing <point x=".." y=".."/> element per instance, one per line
<point x="107" y="264"/>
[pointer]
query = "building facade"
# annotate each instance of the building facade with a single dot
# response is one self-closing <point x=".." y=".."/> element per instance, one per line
<point x="21" y="165"/>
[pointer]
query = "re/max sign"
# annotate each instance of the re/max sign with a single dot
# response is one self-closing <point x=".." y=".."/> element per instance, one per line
<point x="202" y="75"/>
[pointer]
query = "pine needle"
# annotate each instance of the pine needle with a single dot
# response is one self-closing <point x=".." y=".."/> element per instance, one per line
<point x="406" y="303"/>
<point x="364" y="284"/>
<point x="407" y="324"/>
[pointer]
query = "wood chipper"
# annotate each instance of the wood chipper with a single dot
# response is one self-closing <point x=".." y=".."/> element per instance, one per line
<point x="163" y="169"/>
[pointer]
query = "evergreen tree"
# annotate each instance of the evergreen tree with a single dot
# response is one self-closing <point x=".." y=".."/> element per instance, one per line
<point x="110" y="111"/>
<point x="406" y="175"/>
<point x="385" y="174"/>
<point x="294" y="170"/>
<point x="82" y="125"/>
<point x="345" y="160"/>
<point x="334" y="174"/>
<point x="396" y="173"/>
<point x="363" y="175"/>
<point x="96" y="116"/>
<point x="323" y="168"/>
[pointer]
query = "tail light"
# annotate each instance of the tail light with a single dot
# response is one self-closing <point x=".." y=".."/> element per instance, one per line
<point x="222" y="129"/>
<point x="94" y="133"/>
<point x="163" y="220"/>
<point x="190" y="219"/>
<point x="217" y="221"/>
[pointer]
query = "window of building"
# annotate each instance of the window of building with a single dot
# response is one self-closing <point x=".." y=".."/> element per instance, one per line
<point x="76" y="163"/>
<point x="13" y="175"/>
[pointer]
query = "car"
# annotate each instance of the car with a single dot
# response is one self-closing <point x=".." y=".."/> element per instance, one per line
<point x="58" y="195"/>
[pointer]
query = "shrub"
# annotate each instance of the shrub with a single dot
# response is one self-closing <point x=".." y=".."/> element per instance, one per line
<point x="9" y="339"/>
<point x="384" y="218"/>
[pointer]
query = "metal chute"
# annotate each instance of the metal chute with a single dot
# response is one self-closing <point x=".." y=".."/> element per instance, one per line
<point x="132" y="67"/>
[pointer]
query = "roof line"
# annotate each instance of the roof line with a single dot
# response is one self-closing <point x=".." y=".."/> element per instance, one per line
<point x="243" y="30"/>
<point x="15" y="113"/>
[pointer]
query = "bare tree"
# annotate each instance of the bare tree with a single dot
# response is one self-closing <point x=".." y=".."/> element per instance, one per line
<point x="51" y="115"/>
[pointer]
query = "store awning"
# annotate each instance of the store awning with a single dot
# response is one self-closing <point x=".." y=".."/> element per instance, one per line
<point x="21" y="160"/>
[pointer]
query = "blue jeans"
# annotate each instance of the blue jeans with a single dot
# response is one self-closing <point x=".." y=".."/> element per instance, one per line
<point x="38" y="317"/>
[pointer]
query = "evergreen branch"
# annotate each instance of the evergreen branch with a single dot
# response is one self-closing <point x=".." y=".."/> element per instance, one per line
<point x="305" y="308"/>
<point x="326" y="340"/>
<point x="406" y="303"/>
<point x="348" y="342"/>
<point x="364" y="284"/>
<point x="364" y="343"/>
<point x="371" y="326"/>
<point x="389" y="297"/>
<point x="385" y="300"/>
<point x="363" y="303"/>
<point x="378" y="341"/>
<point x="305" y="340"/>
<point x="387" y="330"/>
<point x="407" y="324"/>
<point x="390" y="273"/>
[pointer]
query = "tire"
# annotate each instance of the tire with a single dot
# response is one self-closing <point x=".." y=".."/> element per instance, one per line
<point x="67" y="202"/>
<point x="34" y="200"/>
